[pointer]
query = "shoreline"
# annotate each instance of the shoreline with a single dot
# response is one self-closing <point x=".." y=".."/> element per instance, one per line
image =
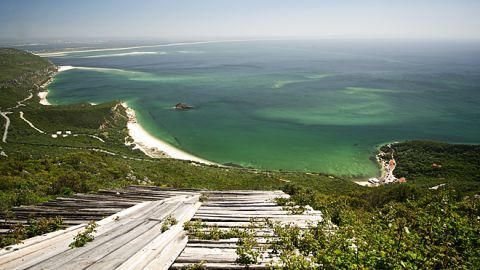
<point x="386" y="169"/>
<point x="152" y="146"/>
<point x="141" y="139"/>
<point x="44" y="93"/>
<point x="66" y="52"/>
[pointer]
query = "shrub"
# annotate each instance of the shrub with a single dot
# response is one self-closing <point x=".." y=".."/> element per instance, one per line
<point x="82" y="238"/>
<point x="168" y="222"/>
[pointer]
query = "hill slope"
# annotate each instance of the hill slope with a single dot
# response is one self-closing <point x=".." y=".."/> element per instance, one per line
<point x="389" y="227"/>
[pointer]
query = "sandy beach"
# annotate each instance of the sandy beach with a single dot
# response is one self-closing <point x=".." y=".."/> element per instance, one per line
<point x="43" y="98"/>
<point x="43" y="94"/>
<point x="152" y="146"/>
<point x="142" y="140"/>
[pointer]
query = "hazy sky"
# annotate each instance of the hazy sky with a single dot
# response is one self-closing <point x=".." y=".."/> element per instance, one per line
<point x="202" y="19"/>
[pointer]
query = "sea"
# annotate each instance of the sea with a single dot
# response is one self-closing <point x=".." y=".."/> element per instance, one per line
<point x="294" y="105"/>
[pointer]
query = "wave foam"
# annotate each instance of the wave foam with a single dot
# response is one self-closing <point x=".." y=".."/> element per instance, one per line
<point x="123" y="54"/>
<point x="64" y="53"/>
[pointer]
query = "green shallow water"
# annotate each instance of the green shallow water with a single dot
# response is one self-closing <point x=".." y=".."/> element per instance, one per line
<point x="298" y="105"/>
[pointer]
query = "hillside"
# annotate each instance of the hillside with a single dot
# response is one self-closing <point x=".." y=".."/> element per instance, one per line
<point x="39" y="167"/>
<point x="389" y="227"/>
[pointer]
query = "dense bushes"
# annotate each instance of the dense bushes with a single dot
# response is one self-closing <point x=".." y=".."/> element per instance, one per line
<point x="399" y="225"/>
<point x="30" y="181"/>
<point x="450" y="162"/>
<point x="34" y="227"/>
<point x="435" y="230"/>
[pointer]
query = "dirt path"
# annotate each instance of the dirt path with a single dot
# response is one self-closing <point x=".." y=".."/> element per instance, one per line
<point x="30" y="123"/>
<point x="20" y="103"/>
<point x="7" y="125"/>
<point x="7" y="119"/>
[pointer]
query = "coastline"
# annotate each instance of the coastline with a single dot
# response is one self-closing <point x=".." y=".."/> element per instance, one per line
<point x="152" y="146"/>
<point x="140" y="138"/>
<point x="386" y="169"/>
<point x="66" y="52"/>
<point x="44" y="93"/>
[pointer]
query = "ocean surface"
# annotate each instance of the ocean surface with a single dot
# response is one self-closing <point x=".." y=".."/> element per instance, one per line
<point x="321" y="105"/>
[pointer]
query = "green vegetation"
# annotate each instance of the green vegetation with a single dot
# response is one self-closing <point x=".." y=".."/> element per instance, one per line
<point x="436" y="231"/>
<point x="196" y="266"/>
<point x="290" y="206"/>
<point x="203" y="197"/>
<point x="429" y="163"/>
<point x="39" y="167"/>
<point x="85" y="236"/>
<point x="199" y="230"/>
<point x="389" y="227"/>
<point x="34" y="227"/>
<point x="248" y="249"/>
<point x="21" y="72"/>
<point x="31" y="180"/>
<point x="168" y="222"/>
<point x="399" y="225"/>
<point x="18" y="65"/>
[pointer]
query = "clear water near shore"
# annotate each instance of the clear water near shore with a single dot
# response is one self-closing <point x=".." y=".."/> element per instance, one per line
<point x="294" y="105"/>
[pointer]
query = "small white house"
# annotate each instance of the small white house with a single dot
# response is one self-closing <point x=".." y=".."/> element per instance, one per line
<point x="54" y="136"/>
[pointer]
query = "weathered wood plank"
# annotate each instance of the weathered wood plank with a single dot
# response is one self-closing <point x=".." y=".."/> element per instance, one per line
<point x="44" y="247"/>
<point x="162" y="251"/>
<point x="105" y="243"/>
<point x="220" y="266"/>
<point x="233" y="210"/>
<point x="211" y="255"/>
<point x="135" y="241"/>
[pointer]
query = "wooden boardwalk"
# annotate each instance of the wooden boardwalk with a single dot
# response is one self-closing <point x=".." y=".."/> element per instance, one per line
<point x="233" y="209"/>
<point x="129" y="235"/>
<point x="82" y="208"/>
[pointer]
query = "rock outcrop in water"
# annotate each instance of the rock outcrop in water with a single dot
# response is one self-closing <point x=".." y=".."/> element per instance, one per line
<point x="183" y="106"/>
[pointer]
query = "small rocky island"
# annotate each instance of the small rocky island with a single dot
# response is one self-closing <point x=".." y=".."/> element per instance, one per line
<point x="183" y="106"/>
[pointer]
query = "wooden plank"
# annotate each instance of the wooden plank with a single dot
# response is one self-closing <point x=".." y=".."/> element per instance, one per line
<point x="212" y="255"/>
<point x="41" y="248"/>
<point x="220" y="266"/>
<point x="135" y="241"/>
<point x="233" y="205"/>
<point x="105" y="243"/>
<point x="162" y="251"/>
<point x="231" y="210"/>
<point x="243" y="217"/>
<point x="114" y="256"/>
<point x="240" y="208"/>
<point x="196" y="255"/>
<point x="114" y="259"/>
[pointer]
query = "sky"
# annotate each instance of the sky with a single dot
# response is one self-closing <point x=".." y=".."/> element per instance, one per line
<point x="224" y="19"/>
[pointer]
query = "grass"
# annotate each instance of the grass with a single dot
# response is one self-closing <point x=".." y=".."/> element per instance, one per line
<point x="39" y="168"/>
<point x="21" y="71"/>
<point x="425" y="164"/>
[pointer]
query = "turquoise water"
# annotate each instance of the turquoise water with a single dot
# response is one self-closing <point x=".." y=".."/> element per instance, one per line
<point x="294" y="105"/>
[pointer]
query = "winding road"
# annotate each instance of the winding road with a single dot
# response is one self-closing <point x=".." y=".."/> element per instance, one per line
<point x="7" y="119"/>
